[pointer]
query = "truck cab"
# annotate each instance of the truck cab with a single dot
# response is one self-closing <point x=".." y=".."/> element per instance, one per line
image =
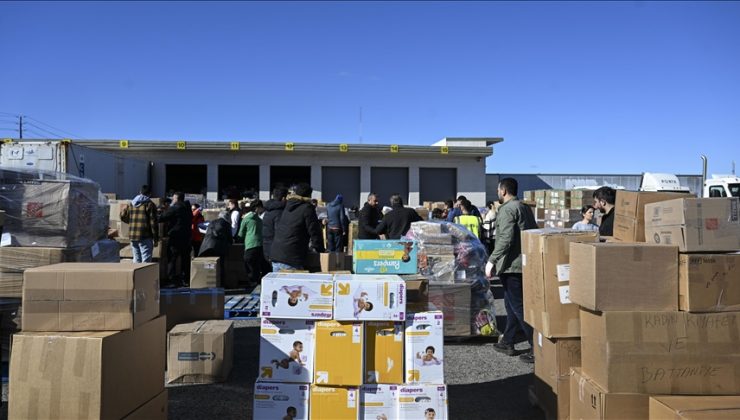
<point x="722" y="186"/>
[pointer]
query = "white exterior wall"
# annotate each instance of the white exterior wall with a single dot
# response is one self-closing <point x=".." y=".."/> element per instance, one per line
<point x="471" y="177"/>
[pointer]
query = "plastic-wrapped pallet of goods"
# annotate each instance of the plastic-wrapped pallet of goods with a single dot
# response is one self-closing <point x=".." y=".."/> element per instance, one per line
<point x="453" y="260"/>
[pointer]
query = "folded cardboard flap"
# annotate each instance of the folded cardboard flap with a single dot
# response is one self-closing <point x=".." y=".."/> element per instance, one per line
<point x="695" y="407"/>
<point x="588" y="400"/>
<point x="709" y="282"/>
<point x="200" y="352"/>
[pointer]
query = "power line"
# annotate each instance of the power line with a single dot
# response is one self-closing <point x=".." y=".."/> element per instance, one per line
<point x="54" y="128"/>
<point x="44" y="130"/>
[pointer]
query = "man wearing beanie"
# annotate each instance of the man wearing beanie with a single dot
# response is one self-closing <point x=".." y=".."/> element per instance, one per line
<point x="337" y="225"/>
<point x="297" y="230"/>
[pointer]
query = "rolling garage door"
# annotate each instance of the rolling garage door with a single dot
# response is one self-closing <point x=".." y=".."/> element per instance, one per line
<point x="341" y="179"/>
<point x="437" y="184"/>
<point x="387" y="181"/>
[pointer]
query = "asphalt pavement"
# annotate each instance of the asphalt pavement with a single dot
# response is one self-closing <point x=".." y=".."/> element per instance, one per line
<point x="482" y="384"/>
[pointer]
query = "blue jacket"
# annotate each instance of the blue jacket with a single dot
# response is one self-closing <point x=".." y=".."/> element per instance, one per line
<point x="337" y="218"/>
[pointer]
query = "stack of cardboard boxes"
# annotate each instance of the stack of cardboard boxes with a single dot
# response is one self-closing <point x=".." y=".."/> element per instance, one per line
<point x="92" y="346"/>
<point x="660" y="319"/>
<point x="548" y="309"/>
<point x="558" y="208"/>
<point x="343" y="346"/>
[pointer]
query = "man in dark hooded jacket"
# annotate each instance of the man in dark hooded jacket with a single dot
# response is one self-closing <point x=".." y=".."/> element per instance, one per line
<point x="297" y="229"/>
<point x="270" y="218"/>
<point x="217" y="240"/>
<point x="337" y="224"/>
<point x="369" y="218"/>
<point x="180" y="218"/>
<point x="398" y="221"/>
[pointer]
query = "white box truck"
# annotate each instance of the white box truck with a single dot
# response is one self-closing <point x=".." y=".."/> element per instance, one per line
<point x="115" y="174"/>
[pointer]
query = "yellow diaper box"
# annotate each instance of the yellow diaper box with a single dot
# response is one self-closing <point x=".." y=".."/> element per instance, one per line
<point x="379" y="401"/>
<point x="427" y="401"/>
<point x="369" y="298"/>
<point x="297" y="296"/>
<point x="287" y="350"/>
<point x="424" y="353"/>
<point x="338" y="353"/>
<point x="384" y="352"/>
<point x="280" y="401"/>
<point x="334" y="402"/>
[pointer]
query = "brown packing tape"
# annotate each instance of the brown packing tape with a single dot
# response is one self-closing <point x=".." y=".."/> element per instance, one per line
<point x="83" y="405"/>
<point x="53" y="372"/>
<point x="33" y="403"/>
<point x="637" y="254"/>
<point x="81" y="350"/>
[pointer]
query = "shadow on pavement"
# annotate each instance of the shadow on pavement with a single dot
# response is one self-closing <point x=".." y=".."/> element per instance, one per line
<point x="500" y="400"/>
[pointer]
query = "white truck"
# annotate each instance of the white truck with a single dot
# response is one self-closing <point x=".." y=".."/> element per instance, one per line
<point x="115" y="174"/>
<point x="716" y="186"/>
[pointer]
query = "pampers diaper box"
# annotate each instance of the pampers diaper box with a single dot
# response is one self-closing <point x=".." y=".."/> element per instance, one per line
<point x="339" y="349"/>
<point x="287" y="350"/>
<point x="384" y="352"/>
<point x="397" y="256"/>
<point x="428" y="401"/>
<point x="379" y="402"/>
<point x="425" y="347"/>
<point x="369" y="298"/>
<point x="334" y="402"/>
<point x="279" y="401"/>
<point x="297" y="295"/>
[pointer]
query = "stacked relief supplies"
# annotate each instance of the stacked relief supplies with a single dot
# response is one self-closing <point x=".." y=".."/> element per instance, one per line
<point x="660" y="331"/>
<point x="343" y="346"/>
<point x="453" y="261"/>
<point x="92" y="346"/>
<point x="50" y="218"/>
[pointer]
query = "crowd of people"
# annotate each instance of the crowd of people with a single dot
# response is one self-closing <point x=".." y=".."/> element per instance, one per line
<point x="279" y="234"/>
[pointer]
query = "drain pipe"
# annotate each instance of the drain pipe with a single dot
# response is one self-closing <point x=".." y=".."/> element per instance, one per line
<point x="703" y="173"/>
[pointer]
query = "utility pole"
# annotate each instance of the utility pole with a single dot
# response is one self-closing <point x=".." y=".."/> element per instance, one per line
<point x="20" y="127"/>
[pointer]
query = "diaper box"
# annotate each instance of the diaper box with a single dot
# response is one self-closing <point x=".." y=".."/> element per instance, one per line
<point x="329" y="402"/>
<point x="398" y="256"/>
<point x="287" y="350"/>
<point x="297" y="296"/>
<point x="280" y="401"/>
<point x="383" y="352"/>
<point x="424" y="347"/>
<point x="379" y="401"/>
<point x="428" y="401"/>
<point x="369" y="298"/>
<point x="338" y="353"/>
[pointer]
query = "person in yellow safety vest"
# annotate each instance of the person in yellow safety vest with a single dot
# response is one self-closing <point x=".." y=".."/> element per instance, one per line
<point x="471" y="222"/>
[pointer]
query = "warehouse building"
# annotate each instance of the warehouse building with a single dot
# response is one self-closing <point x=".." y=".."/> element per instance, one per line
<point x="438" y="172"/>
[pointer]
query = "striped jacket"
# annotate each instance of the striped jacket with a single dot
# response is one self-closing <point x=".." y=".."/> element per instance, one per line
<point x="142" y="221"/>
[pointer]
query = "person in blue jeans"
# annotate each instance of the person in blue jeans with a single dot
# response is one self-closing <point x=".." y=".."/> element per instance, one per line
<point x="141" y="216"/>
<point x="506" y="261"/>
<point x="337" y="225"/>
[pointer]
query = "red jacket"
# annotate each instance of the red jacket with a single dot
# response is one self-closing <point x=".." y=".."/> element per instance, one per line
<point x="197" y="219"/>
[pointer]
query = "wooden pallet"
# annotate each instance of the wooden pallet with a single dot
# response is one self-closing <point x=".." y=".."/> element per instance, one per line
<point x="242" y="307"/>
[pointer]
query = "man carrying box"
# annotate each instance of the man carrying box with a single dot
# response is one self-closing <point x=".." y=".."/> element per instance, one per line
<point x="506" y="261"/>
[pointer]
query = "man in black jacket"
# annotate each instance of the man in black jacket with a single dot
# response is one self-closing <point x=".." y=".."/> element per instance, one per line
<point x="179" y="218"/>
<point x="369" y="218"/>
<point x="297" y="230"/>
<point x="398" y="221"/>
<point x="604" y="199"/>
<point x="273" y="211"/>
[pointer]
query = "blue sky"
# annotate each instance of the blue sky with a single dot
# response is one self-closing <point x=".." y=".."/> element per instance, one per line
<point x="578" y="87"/>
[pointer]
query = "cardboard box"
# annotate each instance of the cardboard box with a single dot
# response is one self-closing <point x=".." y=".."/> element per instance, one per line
<point x="555" y="403"/>
<point x="11" y="285"/>
<point x="369" y="298"/>
<point x="187" y="305"/>
<point x="211" y="214"/>
<point x="335" y="402"/>
<point x="287" y="350"/>
<point x="662" y="352"/>
<point x="454" y="301"/>
<point x="297" y="295"/>
<point x="543" y="251"/>
<point x="281" y="401"/>
<point x="629" y="213"/>
<point x="417" y="293"/>
<point x="624" y="277"/>
<point x="115" y="207"/>
<point x="379" y="401"/>
<point x="589" y="401"/>
<point x="709" y="282"/>
<point x="558" y="224"/>
<point x="86" y="374"/>
<point x="332" y="261"/>
<point x="424" y="338"/>
<point x="555" y="358"/>
<point x="384" y="257"/>
<point x="354" y="231"/>
<point x="20" y="259"/>
<point x="205" y="272"/>
<point x="423" y="402"/>
<point x="200" y="352"/>
<point x="384" y="352"/>
<point x="694" y="407"/>
<point x="339" y="353"/>
<point x="154" y="409"/>
<point x="695" y="224"/>
<point x="90" y="296"/>
<point x="563" y="214"/>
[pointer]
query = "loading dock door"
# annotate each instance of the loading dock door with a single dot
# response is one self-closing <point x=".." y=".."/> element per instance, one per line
<point x="287" y="176"/>
<point x="237" y="181"/>
<point x="437" y="184"/>
<point x="387" y="181"/>
<point x="190" y="179"/>
<point x="341" y="179"/>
